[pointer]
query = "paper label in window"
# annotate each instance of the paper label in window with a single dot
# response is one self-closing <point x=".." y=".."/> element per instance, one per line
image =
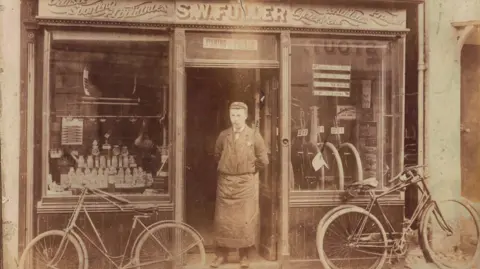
<point x="366" y="93"/>
<point x="230" y="44"/>
<point x="331" y="93"/>
<point x="337" y="130"/>
<point x="318" y="162"/>
<point x="72" y="131"/>
<point x="302" y="132"/>
<point x="321" y="129"/>
<point x="346" y="112"/>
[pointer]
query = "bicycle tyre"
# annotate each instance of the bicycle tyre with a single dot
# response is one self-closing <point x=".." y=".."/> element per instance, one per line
<point x="326" y="263"/>
<point x="83" y="247"/>
<point x="325" y="217"/>
<point x="429" y="253"/>
<point x="70" y="238"/>
<point x="177" y="226"/>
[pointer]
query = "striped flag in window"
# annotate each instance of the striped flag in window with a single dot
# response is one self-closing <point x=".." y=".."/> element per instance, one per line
<point x="331" y="80"/>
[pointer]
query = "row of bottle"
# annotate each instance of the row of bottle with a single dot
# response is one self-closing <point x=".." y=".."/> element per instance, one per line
<point x="101" y="178"/>
<point x="106" y="162"/>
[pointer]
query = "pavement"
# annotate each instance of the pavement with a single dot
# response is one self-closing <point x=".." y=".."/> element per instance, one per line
<point x="414" y="258"/>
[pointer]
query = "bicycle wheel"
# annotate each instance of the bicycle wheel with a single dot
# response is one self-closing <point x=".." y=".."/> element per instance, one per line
<point x="170" y="244"/>
<point x="449" y="233"/>
<point x="41" y="251"/>
<point x="325" y="217"/>
<point x="352" y="238"/>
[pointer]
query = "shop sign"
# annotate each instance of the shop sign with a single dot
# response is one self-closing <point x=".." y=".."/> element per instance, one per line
<point x="288" y="15"/>
<point x="346" y="112"/>
<point x="331" y="93"/>
<point x="348" y="17"/>
<point x="229" y="13"/>
<point x="331" y="80"/>
<point x="230" y="44"/>
<point x="232" y="13"/>
<point x="118" y="10"/>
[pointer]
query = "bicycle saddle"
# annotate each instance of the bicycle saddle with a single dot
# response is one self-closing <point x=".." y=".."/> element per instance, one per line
<point x="369" y="183"/>
<point x="145" y="209"/>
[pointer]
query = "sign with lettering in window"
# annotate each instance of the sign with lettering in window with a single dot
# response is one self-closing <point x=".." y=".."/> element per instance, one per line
<point x="230" y="43"/>
<point x="331" y="80"/>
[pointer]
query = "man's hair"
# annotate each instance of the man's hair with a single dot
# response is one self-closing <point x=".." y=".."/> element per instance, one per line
<point x="239" y="105"/>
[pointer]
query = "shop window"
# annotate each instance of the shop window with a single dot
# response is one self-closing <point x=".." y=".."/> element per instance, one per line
<point x="346" y="112"/>
<point x="108" y="115"/>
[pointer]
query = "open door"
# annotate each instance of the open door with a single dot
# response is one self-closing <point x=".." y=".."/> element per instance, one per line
<point x="267" y="105"/>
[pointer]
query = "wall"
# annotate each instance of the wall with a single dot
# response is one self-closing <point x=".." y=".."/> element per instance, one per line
<point x="10" y="128"/>
<point x="443" y="92"/>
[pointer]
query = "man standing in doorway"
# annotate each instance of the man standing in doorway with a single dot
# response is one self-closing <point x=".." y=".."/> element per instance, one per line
<point x="241" y="153"/>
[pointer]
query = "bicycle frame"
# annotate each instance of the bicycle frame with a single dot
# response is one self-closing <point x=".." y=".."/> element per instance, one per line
<point x="424" y="202"/>
<point x="72" y="227"/>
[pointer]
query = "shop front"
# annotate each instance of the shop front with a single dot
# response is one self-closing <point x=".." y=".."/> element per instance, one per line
<point x="130" y="96"/>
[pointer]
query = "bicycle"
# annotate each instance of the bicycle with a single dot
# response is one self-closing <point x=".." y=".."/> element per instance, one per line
<point x="147" y="250"/>
<point x="369" y="248"/>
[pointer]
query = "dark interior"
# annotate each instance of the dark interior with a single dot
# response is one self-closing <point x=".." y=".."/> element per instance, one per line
<point x="209" y="94"/>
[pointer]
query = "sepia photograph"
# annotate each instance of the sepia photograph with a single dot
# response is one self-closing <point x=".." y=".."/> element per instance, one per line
<point x="263" y="134"/>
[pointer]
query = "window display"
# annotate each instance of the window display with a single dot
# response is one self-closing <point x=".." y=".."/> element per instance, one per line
<point x="108" y="123"/>
<point x="346" y="108"/>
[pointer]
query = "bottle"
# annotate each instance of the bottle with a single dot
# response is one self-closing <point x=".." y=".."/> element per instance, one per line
<point x="114" y="161"/>
<point x="103" y="162"/>
<point x="90" y="162"/>
<point x="128" y="176"/>
<point x="81" y="161"/>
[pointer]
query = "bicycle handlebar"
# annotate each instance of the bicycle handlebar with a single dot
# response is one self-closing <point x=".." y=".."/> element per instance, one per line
<point x="404" y="172"/>
<point x="119" y="199"/>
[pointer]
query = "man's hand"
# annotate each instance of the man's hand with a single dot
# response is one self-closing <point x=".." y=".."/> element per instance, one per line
<point x="259" y="164"/>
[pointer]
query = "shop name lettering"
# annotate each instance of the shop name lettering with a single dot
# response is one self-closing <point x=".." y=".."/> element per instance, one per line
<point x="106" y="9"/>
<point x="342" y="16"/>
<point x="208" y="12"/>
<point x="345" y="48"/>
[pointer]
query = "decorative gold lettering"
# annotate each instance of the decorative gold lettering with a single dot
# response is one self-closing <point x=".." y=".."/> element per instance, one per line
<point x="107" y="9"/>
<point x="231" y="13"/>
<point x="385" y="18"/>
<point x="183" y="12"/>
<point x="204" y="12"/>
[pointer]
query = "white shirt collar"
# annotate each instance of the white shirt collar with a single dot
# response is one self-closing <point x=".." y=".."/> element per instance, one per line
<point x="239" y="130"/>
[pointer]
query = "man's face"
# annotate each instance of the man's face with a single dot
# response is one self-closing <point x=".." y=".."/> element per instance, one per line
<point x="238" y="117"/>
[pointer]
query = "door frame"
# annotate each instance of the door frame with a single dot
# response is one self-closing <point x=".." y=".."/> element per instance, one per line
<point x="179" y="65"/>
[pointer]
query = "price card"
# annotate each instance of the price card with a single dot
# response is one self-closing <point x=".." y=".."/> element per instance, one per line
<point x="337" y="130"/>
<point x="321" y="129"/>
<point x="302" y="132"/>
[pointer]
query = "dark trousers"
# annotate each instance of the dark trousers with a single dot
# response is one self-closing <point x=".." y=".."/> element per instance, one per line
<point x="243" y="252"/>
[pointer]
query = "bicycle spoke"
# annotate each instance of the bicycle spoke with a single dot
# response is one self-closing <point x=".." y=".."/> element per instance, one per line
<point x="52" y="249"/>
<point x="348" y="237"/>
<point x="179" y="246"/>
<point x="450" y="235"/>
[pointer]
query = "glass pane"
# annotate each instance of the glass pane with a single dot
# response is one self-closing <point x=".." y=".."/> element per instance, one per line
<point x="343" y="129"/>
<point x="108" y="117"/>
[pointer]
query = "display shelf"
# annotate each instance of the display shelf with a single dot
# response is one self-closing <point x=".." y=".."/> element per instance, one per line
<point x="109" y="116"/>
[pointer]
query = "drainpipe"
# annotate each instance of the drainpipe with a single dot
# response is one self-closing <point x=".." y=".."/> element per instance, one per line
<point x="422" y="89"/>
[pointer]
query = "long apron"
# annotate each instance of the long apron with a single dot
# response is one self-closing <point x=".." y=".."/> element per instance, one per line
<point x="236" y="210"/>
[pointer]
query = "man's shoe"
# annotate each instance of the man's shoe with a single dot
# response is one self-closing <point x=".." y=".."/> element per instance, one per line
<point x="219" y="260"/>
<point x="244" y="263"/>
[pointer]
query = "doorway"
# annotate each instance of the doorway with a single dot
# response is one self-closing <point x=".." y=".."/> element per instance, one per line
<point x="210" y="91"/>
<point x="470" y="121"/>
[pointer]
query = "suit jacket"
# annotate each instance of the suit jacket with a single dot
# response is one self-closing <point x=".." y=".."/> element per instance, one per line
<point x="240" y="156"/>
